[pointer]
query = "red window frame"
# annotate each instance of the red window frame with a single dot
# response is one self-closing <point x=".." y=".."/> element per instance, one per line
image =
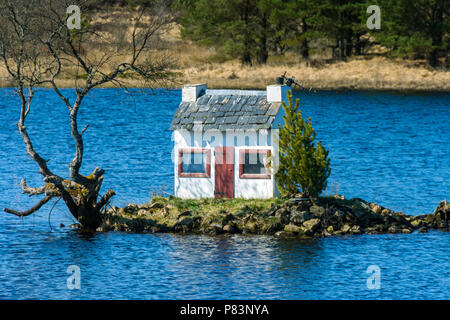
<point x="182" y="174"/>
<point x="243" y="175"/>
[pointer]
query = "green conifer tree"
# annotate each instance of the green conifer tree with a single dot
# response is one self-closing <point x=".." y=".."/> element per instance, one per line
<point x="303" y="165"/>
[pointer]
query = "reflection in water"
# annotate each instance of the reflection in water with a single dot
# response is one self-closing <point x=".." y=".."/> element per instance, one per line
<point x="146" y="266"/>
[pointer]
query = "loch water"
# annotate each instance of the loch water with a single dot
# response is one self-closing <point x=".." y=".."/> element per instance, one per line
<point x="388" y="147"/>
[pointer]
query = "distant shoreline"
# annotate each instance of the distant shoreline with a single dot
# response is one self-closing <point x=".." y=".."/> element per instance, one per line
<point x="311" y="89"/>
<point x="371" y="74"/>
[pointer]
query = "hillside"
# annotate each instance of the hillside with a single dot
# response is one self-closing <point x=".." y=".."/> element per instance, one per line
<point x="199" y="64"/>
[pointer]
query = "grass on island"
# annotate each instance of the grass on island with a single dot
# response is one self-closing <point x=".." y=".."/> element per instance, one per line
<point x="162" y="214"/>
<point x="216" y="206"/>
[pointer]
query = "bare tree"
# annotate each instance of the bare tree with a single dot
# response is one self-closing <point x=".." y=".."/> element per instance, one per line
<point x="37" y="48"/>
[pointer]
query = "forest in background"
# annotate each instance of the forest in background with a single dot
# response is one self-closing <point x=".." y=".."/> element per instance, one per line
<point x="324" y="44"/>
<point x="253" y="30"/>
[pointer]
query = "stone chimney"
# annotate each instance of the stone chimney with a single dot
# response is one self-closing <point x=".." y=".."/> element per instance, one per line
<point x="191" y="92"/>
<point x="277" y="92"/>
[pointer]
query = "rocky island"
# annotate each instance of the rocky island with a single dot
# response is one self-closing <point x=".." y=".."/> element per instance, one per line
<point x="295" y="217"/>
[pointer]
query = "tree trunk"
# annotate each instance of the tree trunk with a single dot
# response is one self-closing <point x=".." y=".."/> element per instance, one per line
<point x="436" y="43"/>
<point x="349" y="43"/>
<point x="246" y="58"/>
<point x="436" y="38"/>
<point x="358" y="45"/>
<point x="89" y="218"/>
<point x="305" y="45"/>
<point x="263" y="54"/>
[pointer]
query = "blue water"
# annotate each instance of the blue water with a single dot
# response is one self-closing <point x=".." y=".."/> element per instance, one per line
<point x="391" y="148"/>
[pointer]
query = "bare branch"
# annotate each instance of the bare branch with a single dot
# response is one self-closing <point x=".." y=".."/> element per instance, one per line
<point x="29" y="211"/>
<point x="85" y="128"/>
<point x="32" y="191"/>
<point x="104" y="200"/>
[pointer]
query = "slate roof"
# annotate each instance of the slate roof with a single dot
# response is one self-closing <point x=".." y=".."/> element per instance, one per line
<point x="227" y="109"/>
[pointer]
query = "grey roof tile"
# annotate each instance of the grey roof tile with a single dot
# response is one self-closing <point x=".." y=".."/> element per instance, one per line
<point x="230" y="120"/>
<point x="203" y="100"/>
<point x="273" y="109"/>
<point x="252" y="100"/>
<point x="235" y="109"/>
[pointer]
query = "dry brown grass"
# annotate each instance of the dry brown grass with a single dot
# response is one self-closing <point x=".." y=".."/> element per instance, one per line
<point x="375" y="73"/>
<point x="198" y="64"/>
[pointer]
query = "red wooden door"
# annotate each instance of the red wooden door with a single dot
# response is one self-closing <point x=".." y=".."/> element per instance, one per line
<point x="224" y="172"/>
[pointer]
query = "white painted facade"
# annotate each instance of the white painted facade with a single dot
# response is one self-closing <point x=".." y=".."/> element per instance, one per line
<point x="266" y="139"/>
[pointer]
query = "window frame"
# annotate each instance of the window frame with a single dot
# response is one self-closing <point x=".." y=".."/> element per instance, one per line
<point x="242" y="153"/>
<point x="206" y="174"/>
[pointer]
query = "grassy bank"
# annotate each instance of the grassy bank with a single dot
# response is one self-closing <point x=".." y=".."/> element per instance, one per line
<point x="327" y="216"/>
<point x="376" y="73"/>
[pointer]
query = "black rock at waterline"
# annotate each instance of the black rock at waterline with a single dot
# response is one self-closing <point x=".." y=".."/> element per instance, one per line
<point x="296" y="217"/>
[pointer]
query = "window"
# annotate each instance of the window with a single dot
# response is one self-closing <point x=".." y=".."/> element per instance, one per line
<point x="194" y="163"/>
<point x="253" y="164"/>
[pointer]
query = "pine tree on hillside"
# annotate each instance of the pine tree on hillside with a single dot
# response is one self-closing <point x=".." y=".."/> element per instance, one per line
<point x="415" y="28"/>
<point x="340" y="21"/>
<point x="237" y="28"/>
<point x="303" y="164"/>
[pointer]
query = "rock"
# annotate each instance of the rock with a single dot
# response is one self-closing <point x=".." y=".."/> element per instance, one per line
<point x="273" y="208"/>
<point x="325" y="233"/>
<point x="312" y="224"/>
<point x="345" y="228"/>
<point x="75" y="226"/>
<point x="229" y="228"/>
<point x="284" y="234"/>
<point x="62" y="225"/>
<point x="349" y="217"/>
<point x="284" y="215"/>
<point x="442" y="211"/>
<point x="442" y="225"/>
<point x="372" y="230"/>
<point x="423" y="230"/>
<point x="228" y="218"/>
<point x="330" y="229"/>
<point x="300" y="195"/>
<point x="184" y="214"/>
<point x="375" y="218"/>
<point x="215" y="228"/>
<point x="355" y="229"/>
<point x="385" y="211"/>
<point x="416" y="223"/>
<point x="156" y="205"/>
<point x="339" y="214"/>
<point x="406" y="231"/>
<point x="291" y="202"/>
<point x="338" y="196"/>
<point x="317" y="211"/>
<point x="186" y="221"/>
<point x="394" y="229"/>
<point x="303" y="205"/>
<point x="376" y="208"/>
<point x="157" y="229"/>
<point x="299" y="217"/>
<point x="142" y="212"/>
<point x="292" y="228"/>
<point x="131" y="208"/>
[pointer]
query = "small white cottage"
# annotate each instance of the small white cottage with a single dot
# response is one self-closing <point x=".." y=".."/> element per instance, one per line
<point x="225" y="142"/>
